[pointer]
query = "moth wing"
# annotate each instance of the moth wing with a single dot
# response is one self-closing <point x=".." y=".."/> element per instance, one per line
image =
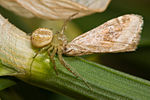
<point x="62" y="9"/>
<point x="15" y="7"/>
<point x="117" y="35"/>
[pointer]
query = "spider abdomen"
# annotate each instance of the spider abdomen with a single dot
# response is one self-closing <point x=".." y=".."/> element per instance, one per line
<point x="41" y="37"/>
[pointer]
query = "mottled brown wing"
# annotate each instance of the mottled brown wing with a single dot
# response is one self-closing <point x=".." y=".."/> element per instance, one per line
<point x="117" y="35"/>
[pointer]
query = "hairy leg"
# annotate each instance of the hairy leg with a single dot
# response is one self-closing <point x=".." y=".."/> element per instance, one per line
<point x="64" y="63"/>
<point x="68" y="67"/>
<point x="65" y="23"/>
<point x="52" y="58"/>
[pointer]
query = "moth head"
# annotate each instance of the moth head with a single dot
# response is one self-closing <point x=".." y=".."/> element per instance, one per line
<point x="41" y="37"/>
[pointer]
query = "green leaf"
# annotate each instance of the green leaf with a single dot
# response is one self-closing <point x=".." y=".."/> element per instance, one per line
<point x="5" y="70"/>
<point x="23" y="91"/>
<point x="5" y="83"/>
<point x="106" y="83"/>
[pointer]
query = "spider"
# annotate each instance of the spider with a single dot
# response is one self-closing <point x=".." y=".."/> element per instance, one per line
<point x="54" y="44"/>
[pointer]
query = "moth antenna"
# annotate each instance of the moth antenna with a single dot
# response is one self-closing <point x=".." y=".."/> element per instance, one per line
<point x="66" y="21"/>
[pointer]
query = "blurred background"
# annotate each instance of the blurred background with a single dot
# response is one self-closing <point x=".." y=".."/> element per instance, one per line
<point x="135" y="63"/>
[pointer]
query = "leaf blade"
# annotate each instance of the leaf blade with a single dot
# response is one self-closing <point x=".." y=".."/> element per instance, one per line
<point x="5" y="83"/>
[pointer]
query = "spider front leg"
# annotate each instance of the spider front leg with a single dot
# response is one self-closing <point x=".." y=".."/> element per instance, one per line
<point x="51" y="56"/>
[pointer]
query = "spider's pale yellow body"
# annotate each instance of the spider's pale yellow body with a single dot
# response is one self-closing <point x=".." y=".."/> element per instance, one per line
<point x="41" y="37"/>
<point x="52" y="43"/>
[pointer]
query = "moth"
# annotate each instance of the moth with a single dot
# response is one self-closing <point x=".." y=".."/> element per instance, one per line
<point x="120" y="34"/>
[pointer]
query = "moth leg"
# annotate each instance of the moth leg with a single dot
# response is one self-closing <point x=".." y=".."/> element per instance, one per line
<point x="51" y="56"/>
<point x="40" y="51"/>
<point x="68" y="67"/>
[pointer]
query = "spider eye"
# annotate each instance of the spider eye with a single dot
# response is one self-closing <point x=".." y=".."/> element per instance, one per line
<point x="41" y="37"/>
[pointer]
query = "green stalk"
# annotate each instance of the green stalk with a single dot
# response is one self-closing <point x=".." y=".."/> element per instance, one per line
<point x="16" y="54"/>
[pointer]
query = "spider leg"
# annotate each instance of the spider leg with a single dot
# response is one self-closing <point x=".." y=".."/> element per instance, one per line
<point x="52" y="58"/>
<point x="64" y="63"/>
<point x="40" y="51"/>
<point x="68" y="67"/>
<point x="65" y="23"/>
